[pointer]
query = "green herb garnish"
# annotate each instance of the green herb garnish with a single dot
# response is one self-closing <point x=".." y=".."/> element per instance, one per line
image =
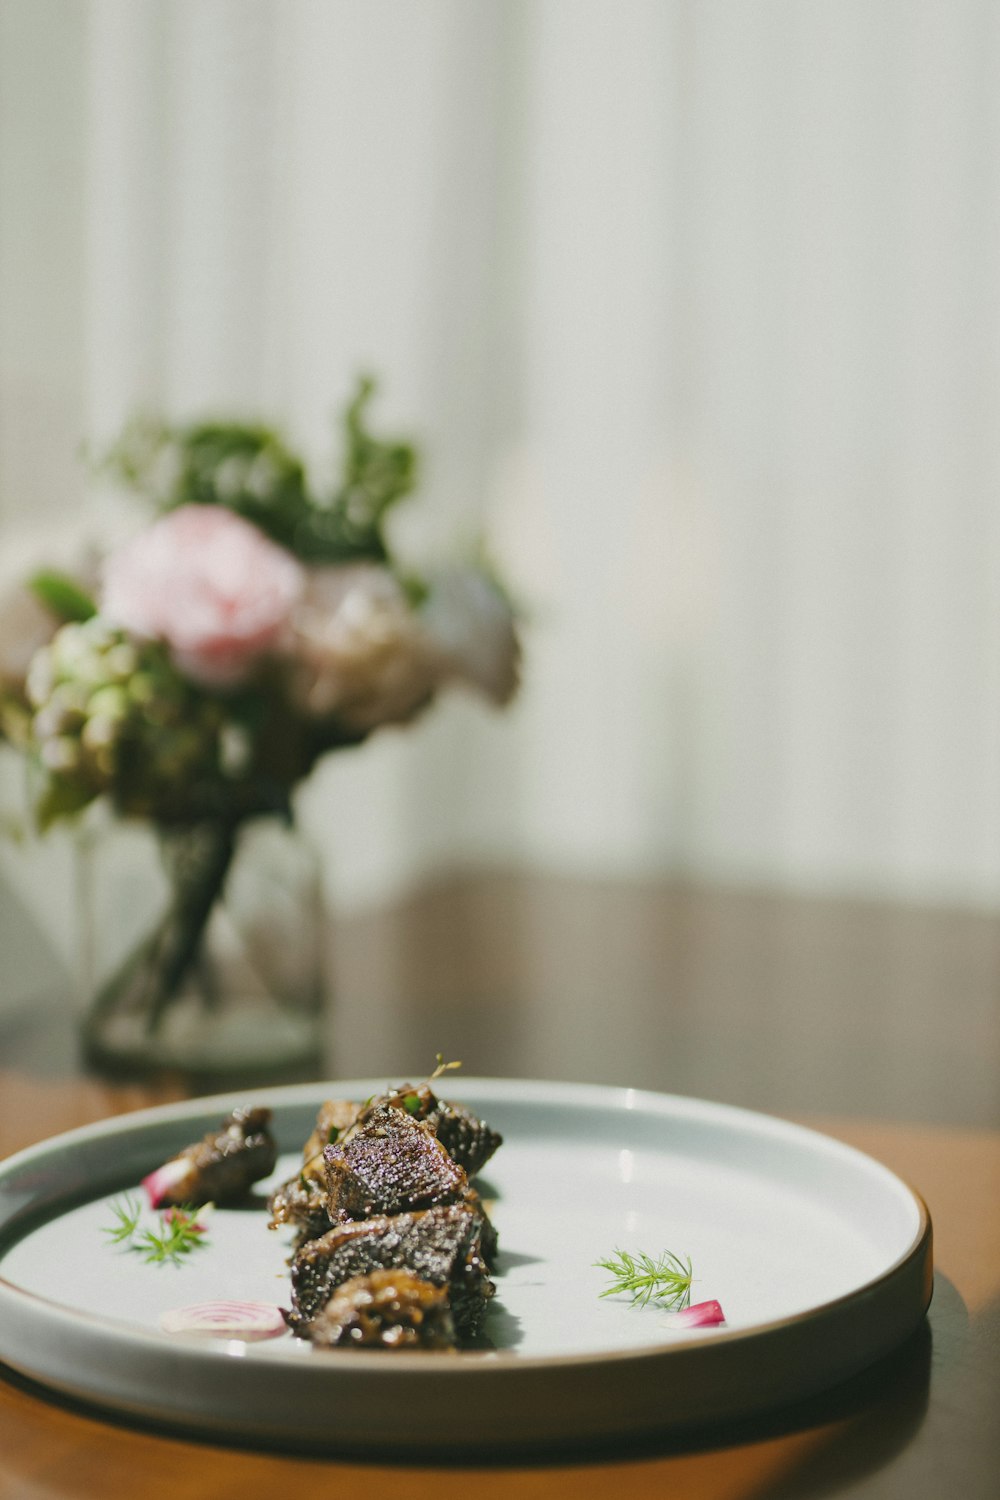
<point x="178" y="1231"/>
<point x="666" y="1281"/>
<point x="442" y="1066"/>
<point x="127" y="1220"/>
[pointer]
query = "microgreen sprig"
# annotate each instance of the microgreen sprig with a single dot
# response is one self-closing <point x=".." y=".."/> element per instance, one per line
<point x="442" y="1066"/>
<point x="178" y="1232"/>
<point x="127" y="1214"/>
<point x="666" y="1281"/>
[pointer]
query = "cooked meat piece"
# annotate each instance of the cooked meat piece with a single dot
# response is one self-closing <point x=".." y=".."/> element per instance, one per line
<point x="389" y="1163"/>
<point x="488" y="1240"/>
<point x="301" y="1200"/>
<point x="302" y="1203"/>
<point x="387" y="1309"/>
<point x="220" y="1168"/>
<point x="466" y="1138"/>
<point x="334" y="1118"/>
<point x="442" y="1245"/>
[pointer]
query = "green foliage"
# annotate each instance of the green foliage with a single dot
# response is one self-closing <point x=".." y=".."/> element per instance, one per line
<point x="126" y="1215"/>
<point x="178" y="1232"/>
<point x="376" y="473"/>
<point x="107" y="715"/>
<point x="61" y="796"/>
<point x="666" y="1281"/>
<point x="251" y="470"/>
<point x="62" y="595"/>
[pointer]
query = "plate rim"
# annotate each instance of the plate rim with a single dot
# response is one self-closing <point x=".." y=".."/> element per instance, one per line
<point x="291" y="1094"/>
<point x="911" y="1271"/>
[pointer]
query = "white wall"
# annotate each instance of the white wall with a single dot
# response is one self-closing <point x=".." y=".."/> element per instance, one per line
<point x="695" y="305"/>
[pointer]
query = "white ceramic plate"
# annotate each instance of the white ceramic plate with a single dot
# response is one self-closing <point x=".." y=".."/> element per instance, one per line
<point x="820" y="1257"/>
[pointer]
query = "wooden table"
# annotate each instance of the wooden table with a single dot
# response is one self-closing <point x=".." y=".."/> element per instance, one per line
<point x="877" y="1024"/>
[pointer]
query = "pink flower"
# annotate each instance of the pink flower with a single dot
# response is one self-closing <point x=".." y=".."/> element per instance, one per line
<point x="210" y="585"/>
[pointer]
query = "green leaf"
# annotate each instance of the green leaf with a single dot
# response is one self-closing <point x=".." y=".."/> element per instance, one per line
<point x="665" y="1281"/>
<point x="62" y="595"/>
<point x="127" y="1219"/>
<point x="251" y="470"/>
<point x="376" y="474"/>
<point x="61" y="798"/>
<point x="179" y="1234"/>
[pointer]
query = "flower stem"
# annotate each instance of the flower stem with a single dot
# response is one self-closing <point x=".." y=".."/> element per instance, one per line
<point x="198" y="860"/>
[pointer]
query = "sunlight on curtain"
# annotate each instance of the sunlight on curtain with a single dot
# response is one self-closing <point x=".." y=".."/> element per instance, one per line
<point x="693" y="306"/>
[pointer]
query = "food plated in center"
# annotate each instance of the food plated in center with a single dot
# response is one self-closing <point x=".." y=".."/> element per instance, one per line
<point x="393" y="1246"/>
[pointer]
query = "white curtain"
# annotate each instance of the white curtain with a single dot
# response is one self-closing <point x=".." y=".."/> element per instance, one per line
<point x="693" y="305"/>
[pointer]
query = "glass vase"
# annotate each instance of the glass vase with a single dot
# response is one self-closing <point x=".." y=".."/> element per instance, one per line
<point x="201" y="953"/>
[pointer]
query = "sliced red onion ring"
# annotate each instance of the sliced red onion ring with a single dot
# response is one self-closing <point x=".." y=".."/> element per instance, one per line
<point x="226" y="1320"/>
<point x="700" y="1315"/>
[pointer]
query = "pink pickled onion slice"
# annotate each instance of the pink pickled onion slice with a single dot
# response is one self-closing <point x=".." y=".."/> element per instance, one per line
<point x="165" y="1180"/>
<point x="194" y="1219"/>
<point x="700" y="1315"/>
<point x="226" y="1320"/>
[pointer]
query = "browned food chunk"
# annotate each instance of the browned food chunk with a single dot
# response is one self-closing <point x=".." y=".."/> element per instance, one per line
<point x="467" y="1139"/>
<point x="441" y="1245"/>
<point x="364" y="1182"/>
<point x="222" y="1166"/>
<point x="387" y="1309"/>
<point x="334" y="1118"/>
<point x="301" y="1201"/>
<point x="389" y="1163"/>
<point x="488" y="1240"/>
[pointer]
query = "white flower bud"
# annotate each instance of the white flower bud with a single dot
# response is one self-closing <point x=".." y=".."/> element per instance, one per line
<point x="472" y="626"/>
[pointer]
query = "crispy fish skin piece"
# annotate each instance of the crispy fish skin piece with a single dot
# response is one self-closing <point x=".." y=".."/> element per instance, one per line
<point x="387" y="1309"/>
<point x="442" y="1245"/>
<point x="224" y="1164"/>
<point x="389" y="1163"/>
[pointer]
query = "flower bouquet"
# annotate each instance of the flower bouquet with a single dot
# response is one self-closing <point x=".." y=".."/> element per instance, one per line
<point x="193" y="679"/>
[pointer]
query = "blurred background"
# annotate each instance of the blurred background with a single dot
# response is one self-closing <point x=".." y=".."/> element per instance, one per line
<point x="694" y="309"/>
